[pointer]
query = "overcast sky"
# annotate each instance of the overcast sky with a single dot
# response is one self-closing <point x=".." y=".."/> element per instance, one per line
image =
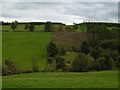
<point x="66" y="12"/>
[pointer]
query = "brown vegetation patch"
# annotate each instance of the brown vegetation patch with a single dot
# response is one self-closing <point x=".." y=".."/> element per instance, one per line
<point x="69" y="38"/>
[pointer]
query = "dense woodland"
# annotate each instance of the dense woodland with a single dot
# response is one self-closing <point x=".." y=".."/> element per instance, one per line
<point x="98" y="50"/>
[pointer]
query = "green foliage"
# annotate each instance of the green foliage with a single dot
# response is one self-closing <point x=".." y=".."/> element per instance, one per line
<point x="68" y="67"/>
<point x="114" y="54"/>
<point x="91" y="63"/>
<point x="98" y="32"/>
<point x="54" y="28"/>
<point x="91" y="29"/>
<point x="94" y="53"/>
<point x="69" y="28"/>
<point x="108" y="62"/>
<point x="69" y="57"/>
<point x="114" y="33"/>
<point x="32" y="27"/>
<point x="35" y="67"/>
<point x="100" y="63"/>
<point x="52" y="50"/>
<point x="51" y="66"/>
<point x="85" y="47"/>
<point x="62" y="51"/>
<point x="61" y="28"/>
<point x="102" y="32"/>
<point x="60" y="64"/>
<point x="106" y="44"/>
<point x="50" y="60"/>
<point x="27" y="26"/>
<point x="82" y="63"/>
<point x="21" y="27"/>
<point x="75" y="26"/>
<point x="48" y="27"/>
<point x="14" y="25"/>
<point x="118" y="62"/>
<point x="81" y="28"/>
<point x="5" y="70"/>
<point x="11" y="67"/>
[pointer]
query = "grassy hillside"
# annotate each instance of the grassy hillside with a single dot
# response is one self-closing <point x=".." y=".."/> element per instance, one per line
<point x="103" y="79"/>
<point x="23" y="47"/>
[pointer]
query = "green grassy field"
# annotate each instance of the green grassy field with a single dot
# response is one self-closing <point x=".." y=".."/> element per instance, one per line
<point x="23" y="47"/>
<point x="103" y="79"/>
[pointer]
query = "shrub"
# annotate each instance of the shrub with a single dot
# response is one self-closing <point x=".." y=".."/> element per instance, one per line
<point x="63" y="51"/>
<point x="69" y="28"/>
<point x="52" y="50"/>
<point x="82" y="62"/>
<point x="68" y="67"/>
<point x="95" y="53"/>
<point x="51" y="67"/>
<point x="32" y="27"/>
<point x="12" y="68"/>
<point x="14" y="25"/>
<point x="91" y="62"/>
<point x="100" y="65"/>
<point x="85" y="47"/>
<point x="105" y="44"/>
<point x="60" y="64"/>
<point x="61" y="27"/>
<point x="5" y="71"/>
<point x="50" y="60"/>
<point x="51" y="64"/>
<point x="48" y="27"/>
<point x="114" y="54"/>
<point x="118" y="62"/>
<point x="35" y="67"/>
<point x="108" y="61"/>
<point x="27" y="26"/>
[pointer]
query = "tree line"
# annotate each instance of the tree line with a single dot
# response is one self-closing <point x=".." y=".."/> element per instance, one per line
<point x="100" y="52"/>
<point x="50" y="26"/>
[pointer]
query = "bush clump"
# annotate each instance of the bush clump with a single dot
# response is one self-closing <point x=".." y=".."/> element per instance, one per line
<point x="10" y="68"/>
<point x="60" y="64"/>
<point x="105" y="61"/>
<point x="82" y="63"/>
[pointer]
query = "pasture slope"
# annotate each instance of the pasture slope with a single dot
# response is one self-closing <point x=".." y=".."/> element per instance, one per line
<point x="24" y="47"/>
<point x="102" y="79"/>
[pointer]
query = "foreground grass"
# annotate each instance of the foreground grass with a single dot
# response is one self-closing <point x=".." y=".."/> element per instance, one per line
<point x="24" y="47"/>
<point x="103" y="79"/>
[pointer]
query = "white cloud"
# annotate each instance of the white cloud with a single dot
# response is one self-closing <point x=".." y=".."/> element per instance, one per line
<point x="67" y="12"/>
<point x="60" y="0"/>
